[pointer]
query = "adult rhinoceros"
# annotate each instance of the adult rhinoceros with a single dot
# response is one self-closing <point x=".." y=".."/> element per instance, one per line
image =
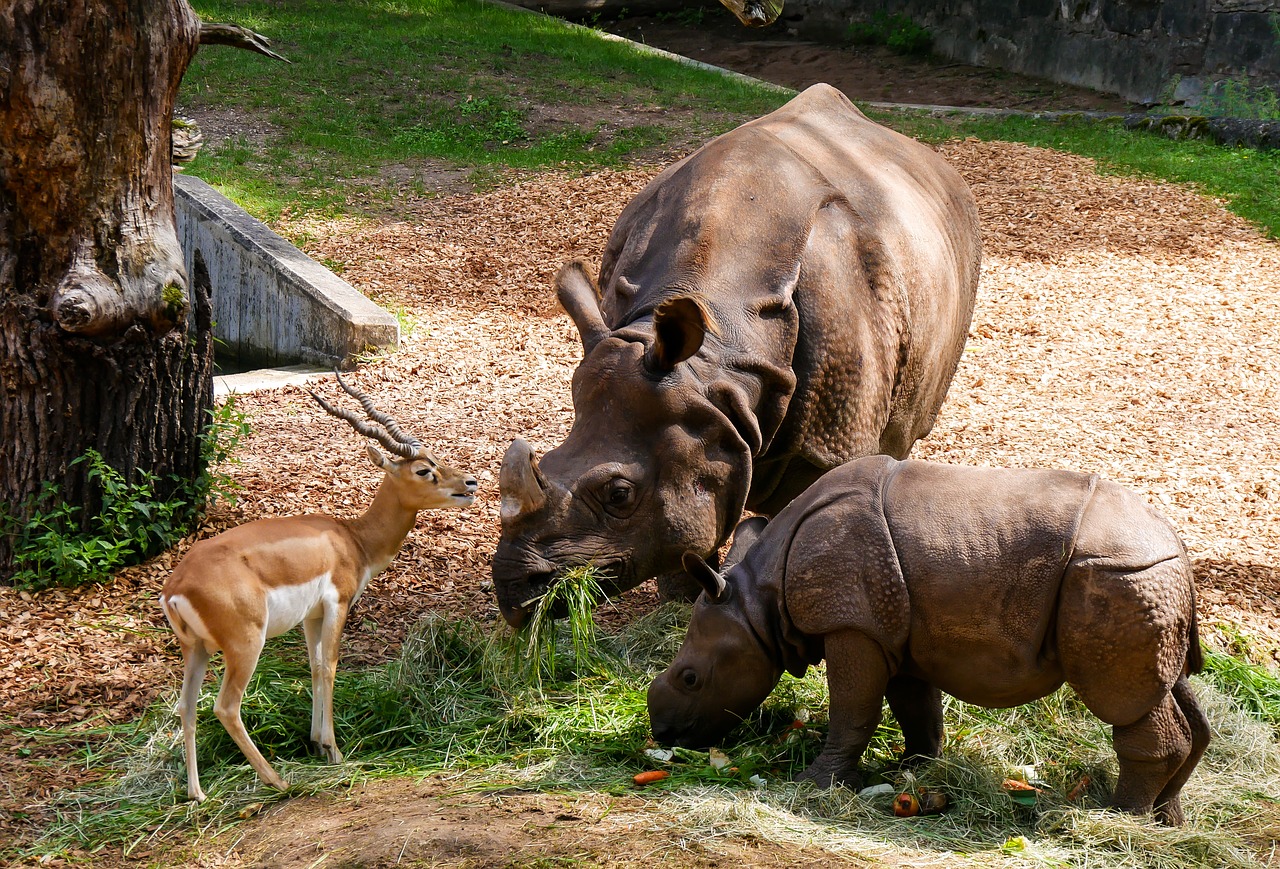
<point x="793" y="295"/>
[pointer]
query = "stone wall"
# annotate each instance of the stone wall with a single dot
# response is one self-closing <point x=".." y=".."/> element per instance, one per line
<point x="1135" y="48"/>
<point x="272" y="304"/>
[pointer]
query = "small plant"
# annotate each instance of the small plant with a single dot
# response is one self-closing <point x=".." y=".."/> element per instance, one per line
<point x="689" y="16"/>
<point x="1230" y="98"/>
<point x="898" y="32"/>
<point x="55" y="547"/>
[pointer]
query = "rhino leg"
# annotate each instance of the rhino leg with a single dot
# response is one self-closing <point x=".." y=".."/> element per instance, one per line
<point x="857" y="676"/>
<point x="917" y="706"/>
<point x="1153" y="751"/>
<point x="1168" y="805"/>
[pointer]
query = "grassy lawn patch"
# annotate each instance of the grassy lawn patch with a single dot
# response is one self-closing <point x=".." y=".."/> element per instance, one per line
<point x="381" y="94"/>
<point x="463" y="83"/>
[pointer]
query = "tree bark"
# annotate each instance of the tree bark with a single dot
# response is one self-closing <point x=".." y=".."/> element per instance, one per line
<point x="105" y="342"/>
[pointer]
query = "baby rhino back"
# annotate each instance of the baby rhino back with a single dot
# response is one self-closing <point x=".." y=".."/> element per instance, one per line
<point x="983" y="552"/>
<point x="992" y="584"/>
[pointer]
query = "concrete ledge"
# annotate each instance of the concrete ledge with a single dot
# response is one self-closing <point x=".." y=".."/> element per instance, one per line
<point x="272" y="304"/>
<point x="267" y="379"/>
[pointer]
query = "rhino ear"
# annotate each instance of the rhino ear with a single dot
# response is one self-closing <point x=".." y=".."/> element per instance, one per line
<point x="679" y="327"/>
<point x="744" y="537"/>
<point x="580" y="297"/>
<point x="711" y="581"/>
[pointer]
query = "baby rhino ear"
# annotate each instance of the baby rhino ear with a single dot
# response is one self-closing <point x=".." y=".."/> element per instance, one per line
<point x="744" y="537"/>
<point x="711" y="581"/>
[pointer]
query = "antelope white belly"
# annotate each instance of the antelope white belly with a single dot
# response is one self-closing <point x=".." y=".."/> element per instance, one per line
<point x="289" y="605"/>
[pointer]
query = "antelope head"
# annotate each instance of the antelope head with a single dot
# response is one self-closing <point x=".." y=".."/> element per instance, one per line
<point x="422" y="481"/>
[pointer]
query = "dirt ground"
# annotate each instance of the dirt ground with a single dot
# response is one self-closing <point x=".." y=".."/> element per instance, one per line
<point x="871" y="73"/>
<point x="1123" y="327"/>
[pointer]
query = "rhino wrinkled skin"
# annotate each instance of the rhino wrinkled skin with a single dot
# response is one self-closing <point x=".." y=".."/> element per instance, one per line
<point x="793" y="295"/>
<point x="992" y="585"/>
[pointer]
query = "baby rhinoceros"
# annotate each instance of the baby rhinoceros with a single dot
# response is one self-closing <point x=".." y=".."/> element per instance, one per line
<point x="993" y="585"/>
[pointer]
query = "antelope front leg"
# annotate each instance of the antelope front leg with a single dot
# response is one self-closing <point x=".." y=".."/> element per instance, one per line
<point x="323" y="636"/>
<point x="856" y="676"/>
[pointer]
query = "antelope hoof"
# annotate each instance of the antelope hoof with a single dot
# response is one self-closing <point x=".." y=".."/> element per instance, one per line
<point x="328" y="752"/>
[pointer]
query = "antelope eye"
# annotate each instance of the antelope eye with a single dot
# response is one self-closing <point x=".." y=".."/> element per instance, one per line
<point x="426" y="472"/>
<point x="689" y="678"/>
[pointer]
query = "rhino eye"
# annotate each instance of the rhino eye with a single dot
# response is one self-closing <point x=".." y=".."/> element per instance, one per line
<point x="689" y="678"/>
<point x="619" y="495"/>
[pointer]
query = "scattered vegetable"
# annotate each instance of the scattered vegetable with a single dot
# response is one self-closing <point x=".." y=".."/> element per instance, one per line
<point x="905" y="805"/>
<point x="648" y="778"/>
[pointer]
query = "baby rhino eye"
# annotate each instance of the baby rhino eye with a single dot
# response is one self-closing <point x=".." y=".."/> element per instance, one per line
<point x="690" y="679"/>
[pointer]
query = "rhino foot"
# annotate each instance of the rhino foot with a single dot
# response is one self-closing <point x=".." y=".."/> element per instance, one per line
<point x="678" y="586"/>
<point x="825" y="774"/>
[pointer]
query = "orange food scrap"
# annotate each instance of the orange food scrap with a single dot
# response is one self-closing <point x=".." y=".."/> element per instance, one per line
<point x="1078" y="788"/>
<point x="906" y="805"/>
<point x="653" y="775"/>
<point x="1012" y="784"/>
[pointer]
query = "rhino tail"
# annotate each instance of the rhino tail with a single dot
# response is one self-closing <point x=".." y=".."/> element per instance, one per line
<point x="1195" y="655"/>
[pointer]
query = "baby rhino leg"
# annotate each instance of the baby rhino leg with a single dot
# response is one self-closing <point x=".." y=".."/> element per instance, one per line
<point x="1168" y="802"/>
<point x="917" y="706"/>
<point x="1123" y="639"/>
<point x="1153" y="752"/>
<point x="856" y="675"/>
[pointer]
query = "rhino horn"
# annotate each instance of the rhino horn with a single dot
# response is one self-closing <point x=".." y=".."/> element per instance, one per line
<point x="679" y="327"/>
<point x="522" y="485"/>
<point x="707" y="576"/>
<point x="580" y="297"/>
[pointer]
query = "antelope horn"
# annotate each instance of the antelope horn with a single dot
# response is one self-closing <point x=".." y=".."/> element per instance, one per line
<point x="400" y="448"/>
<point x="392" y="427"/>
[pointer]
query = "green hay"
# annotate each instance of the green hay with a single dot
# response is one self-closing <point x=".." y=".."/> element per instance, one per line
<point x="540" y="653"/>
<point x="460" y="699"/>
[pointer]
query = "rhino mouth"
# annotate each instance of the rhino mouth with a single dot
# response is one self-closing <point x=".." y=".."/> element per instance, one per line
<point x="523" y="597"/>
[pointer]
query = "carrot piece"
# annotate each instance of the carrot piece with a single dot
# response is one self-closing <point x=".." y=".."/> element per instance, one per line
<point x="653" y="775"/>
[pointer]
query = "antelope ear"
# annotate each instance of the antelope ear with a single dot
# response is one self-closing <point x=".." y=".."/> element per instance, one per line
<point x="711" y="581"/>
<point x="679" y="327"/>
<point x="376" y="456"/>
<point x="580" y="298"/>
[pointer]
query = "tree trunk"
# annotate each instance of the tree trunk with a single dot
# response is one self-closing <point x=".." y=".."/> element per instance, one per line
<point x="104" y="342"/>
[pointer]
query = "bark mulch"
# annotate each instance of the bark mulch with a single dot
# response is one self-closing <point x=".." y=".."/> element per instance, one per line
<point x="1124" y="327"/>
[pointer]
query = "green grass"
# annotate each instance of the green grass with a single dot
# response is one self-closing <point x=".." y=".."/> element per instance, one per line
<point x="458" y="699"/>
<point x="460" y="83"/>
<point x="466" y="83"/>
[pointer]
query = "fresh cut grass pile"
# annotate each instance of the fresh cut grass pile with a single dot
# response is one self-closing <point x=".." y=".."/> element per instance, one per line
<point x="560" y="707"/>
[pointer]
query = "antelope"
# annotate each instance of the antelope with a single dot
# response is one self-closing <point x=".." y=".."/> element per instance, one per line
<point x="259" y="580"/>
